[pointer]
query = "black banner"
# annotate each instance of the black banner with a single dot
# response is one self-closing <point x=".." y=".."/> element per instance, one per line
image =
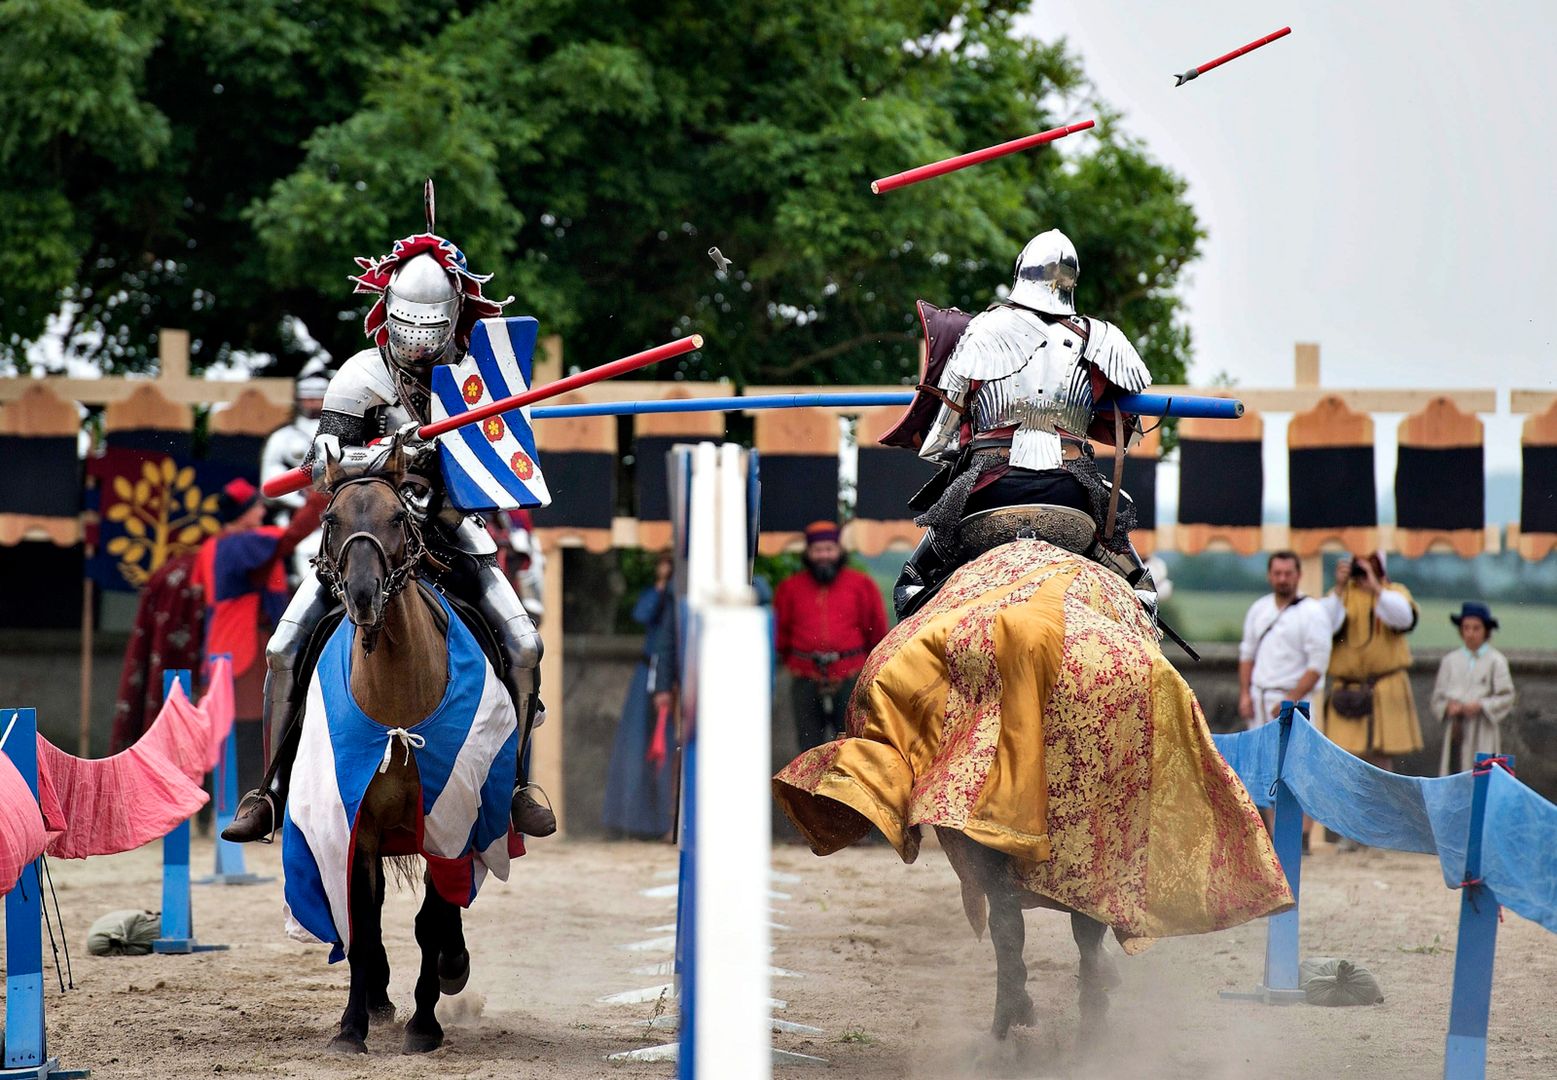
<point x="1538" y="492"/>
<point x="1140" y="483"/>
<point x="43" y="476"/>
<point x="1331" y="487"/>
<point x="886" y="480"/>
<point x="798" y="489"/>
<point x="242" y="452"/>
<point x="583" y="490"/>
<point x="651" y="480"/>
<point x="1440" y="488"/>
<point x="1221" y="483"/>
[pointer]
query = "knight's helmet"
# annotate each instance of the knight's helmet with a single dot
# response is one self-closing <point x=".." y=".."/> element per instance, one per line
<point x="421" y="308"/>
<point x="1046" y="273"/>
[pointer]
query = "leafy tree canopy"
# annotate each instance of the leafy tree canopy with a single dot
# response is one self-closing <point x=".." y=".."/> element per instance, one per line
<point x="216" y="164"/>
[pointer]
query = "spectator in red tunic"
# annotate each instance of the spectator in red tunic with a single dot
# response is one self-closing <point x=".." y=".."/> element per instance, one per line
<point x="242" y="570"/>
<point x="828" y="618"/>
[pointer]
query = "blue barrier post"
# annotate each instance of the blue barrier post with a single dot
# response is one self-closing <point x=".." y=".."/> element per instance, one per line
<point x="26" y="1044"/>
<point x="1280" y="986"/>
<point x="229" y="868"/>
<point x="1465" y="1048"/>
<point x="178" y="931"/>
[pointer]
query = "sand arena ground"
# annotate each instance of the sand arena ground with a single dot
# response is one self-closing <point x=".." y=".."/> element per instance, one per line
<point x="891" y="973"/>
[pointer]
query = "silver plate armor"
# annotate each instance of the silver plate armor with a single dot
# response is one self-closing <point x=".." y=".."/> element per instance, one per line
<point x="1032" y="374"/>
<point x="1046" y="273"/>
<point x="285" y="449"/>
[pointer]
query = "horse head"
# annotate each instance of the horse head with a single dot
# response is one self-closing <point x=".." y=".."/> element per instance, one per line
<point x="371" y="543"/>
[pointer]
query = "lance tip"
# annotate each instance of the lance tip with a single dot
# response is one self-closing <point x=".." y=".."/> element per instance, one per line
<point x="875" y="187"/>
<point x="697" y="341"/>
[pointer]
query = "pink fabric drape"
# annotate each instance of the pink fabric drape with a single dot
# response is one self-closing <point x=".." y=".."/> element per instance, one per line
<point x="104" y="806"/>
<point x="21" y="826"/>
<point x="219" y="708"/>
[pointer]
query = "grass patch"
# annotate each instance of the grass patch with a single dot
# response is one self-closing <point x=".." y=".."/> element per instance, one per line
<point x="857" y="1035"/>
<point x="1432" y="948"/>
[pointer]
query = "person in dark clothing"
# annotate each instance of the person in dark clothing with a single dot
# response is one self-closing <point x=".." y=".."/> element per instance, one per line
<point x="640" y="790"/>
<point x="827" y="619"/>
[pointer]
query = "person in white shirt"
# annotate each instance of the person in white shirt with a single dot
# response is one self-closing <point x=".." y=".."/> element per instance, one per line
<point x="1285" y="648"/>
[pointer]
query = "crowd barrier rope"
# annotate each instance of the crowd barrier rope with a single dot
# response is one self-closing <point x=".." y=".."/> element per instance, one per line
<point x="1495" y="839"/>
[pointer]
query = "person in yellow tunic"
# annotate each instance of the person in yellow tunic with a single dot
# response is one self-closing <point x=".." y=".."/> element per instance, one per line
<point x="1369" y="710"/>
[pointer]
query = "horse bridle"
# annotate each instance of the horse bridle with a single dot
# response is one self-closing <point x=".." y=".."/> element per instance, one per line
<point x="328" y="563"/>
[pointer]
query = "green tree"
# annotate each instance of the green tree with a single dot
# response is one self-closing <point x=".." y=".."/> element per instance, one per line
<point x="588" y="155"/>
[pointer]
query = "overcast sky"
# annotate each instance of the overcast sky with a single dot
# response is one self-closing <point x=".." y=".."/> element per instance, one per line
<point x="1380" y="182"/>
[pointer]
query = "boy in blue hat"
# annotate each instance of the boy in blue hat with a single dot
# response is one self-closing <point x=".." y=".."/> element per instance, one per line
<point x="1474" y="693"/>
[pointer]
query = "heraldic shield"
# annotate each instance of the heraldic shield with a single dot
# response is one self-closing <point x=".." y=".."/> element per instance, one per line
<point x="491" y="465"/>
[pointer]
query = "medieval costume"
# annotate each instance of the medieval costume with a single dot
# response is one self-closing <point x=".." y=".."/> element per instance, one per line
<point x="827" y="617"/>
<point x="428" y="304"/>
<point x="640" y="790"/>
<point x="1369" y="710"/>
<point x="167" y="635"/>
<point x="241" y="573"/>
<point x="1480" y="680"/>
<point x="1028" y="705"/>
<point x="1008" y="401"/>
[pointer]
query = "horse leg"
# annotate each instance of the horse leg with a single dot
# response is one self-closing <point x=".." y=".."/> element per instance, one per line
<point x="380" y="1009"/>
<point x="423" y="1032"/>
<point x="367" y="945"/>
<point x="989" y="872"/>
<point x="453" y="957"/>
<point x="1098" y="975"/>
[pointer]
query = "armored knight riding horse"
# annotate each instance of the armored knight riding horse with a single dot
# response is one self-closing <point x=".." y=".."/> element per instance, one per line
<point x="1022" y="706"/>
<point x="429" y="302"/>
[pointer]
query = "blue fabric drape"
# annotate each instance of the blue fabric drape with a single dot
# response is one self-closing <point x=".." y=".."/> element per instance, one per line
<point x="639" y="796"/>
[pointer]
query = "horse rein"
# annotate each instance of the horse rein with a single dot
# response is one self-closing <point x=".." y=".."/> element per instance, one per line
<point x="396" y="577"/>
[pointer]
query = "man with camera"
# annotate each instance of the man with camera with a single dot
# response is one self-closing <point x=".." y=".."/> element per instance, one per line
<point x="1369" y="710"/>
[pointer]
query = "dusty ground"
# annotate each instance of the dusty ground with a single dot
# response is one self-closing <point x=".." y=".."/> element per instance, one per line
<point x="891" y="972"/>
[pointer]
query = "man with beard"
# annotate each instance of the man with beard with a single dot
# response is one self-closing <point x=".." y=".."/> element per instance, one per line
<point x="828" y="618"/>
<point x="1286" y="645"/>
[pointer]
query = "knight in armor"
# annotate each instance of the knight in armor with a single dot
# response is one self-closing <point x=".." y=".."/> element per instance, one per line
<point x="1007" y="404"/>
<point x="288" y="447"/>
<point x="429" y="302"/>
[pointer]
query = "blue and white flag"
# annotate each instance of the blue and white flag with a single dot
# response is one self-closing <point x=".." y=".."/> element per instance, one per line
<point x="466" y="753"/>
<point x="491" y="465"/>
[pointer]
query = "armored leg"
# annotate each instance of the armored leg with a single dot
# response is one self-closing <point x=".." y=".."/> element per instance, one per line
<point x="500" y="606"/>
<point x="1130" y="566"/>
<point x="921" y="576"/>
<point x="259" y="813"/>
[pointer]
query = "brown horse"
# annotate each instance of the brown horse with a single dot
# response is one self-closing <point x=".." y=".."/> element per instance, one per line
<point x="399" y="672"/>
<point x="992" y="893"/>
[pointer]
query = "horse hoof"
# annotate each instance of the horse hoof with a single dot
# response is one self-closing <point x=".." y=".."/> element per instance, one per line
<point x="382" y="1014"/>
<point x="346" y="1043"/>
<point x="451" y="982"/>
<point x="418" y="1041"/>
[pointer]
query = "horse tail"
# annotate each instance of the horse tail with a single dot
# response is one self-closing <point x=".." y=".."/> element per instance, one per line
<point x="404" y="870"/>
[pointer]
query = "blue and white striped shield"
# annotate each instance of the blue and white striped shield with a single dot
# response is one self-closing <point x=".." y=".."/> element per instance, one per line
<point x="491" y="465"/>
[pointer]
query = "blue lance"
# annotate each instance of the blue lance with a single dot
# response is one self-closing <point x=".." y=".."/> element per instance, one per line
<point x="1184" y="406"/>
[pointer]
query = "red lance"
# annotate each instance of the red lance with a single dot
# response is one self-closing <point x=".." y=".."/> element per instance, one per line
<point x="975" y="157"/>
<point x="299" y="478"/>
<point x="1195" y="73"/>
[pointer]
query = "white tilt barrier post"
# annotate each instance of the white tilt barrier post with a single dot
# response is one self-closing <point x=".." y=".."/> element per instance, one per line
<point x="725" y="1026"/>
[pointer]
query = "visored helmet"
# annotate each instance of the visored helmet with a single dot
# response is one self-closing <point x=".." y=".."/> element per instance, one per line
<point x="422" y="309"/>
<point x="1046" y="274"/>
